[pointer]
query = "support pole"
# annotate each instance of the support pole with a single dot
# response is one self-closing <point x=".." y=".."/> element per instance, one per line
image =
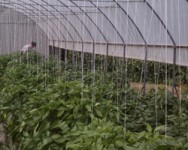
<point x="174" y="72"/>
<point x="65" y="57"/>
<point x="73" y="56"/>
<point x="93" y="72"/>
<point x="106" y="60"/>
<point x="124" y="48"/>
<point x="125" y="64"/>
<point x="53" y="49"/>
<point x="82" y="60"/>
<point x="93" y="59"/>
<point x="145" y="69"/>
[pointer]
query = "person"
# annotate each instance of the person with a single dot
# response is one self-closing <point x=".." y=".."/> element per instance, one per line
<point x="29" y="47"/>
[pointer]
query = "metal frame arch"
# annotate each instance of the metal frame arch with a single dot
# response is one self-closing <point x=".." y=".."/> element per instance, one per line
<point x="161" y="21"/>
<point x="30" y="17"/>
<point x="93" y="56"/>
<point x="25" y="15"/>
<point x="91" y="21"/>
<point x="22" y="6"/>
<point x="145" y="59"/>
<point x="68" y="22"/>
<point x="108" y="21"/>
<point x="174" y="43"/>
<point x="145" y="42"/>
<point x="130" y="18"/>
<point x="82" y="52"/>
<point x="43" y="19"/>
<point x="65" y="18"/>
<point x="53" y="22"/>
<point x="82" y="49"/>
<point x="78" y="19"/>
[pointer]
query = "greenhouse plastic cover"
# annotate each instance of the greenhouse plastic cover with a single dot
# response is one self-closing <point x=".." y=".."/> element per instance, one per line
<point x="155" y="30"/>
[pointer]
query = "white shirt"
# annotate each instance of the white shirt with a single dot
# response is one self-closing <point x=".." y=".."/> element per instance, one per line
<point x="26" y="48"/>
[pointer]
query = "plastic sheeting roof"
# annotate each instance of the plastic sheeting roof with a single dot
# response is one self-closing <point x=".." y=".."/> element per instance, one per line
<point x="124" y="21"/>
<point x="138" y="23"/>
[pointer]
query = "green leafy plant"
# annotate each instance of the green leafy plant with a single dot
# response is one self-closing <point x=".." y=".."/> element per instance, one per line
<point x="47" y="104"/>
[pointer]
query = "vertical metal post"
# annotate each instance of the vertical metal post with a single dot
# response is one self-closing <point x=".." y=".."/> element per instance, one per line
<point x="124" y="53"/>
<point x="124" y="64"/>
<point x="174" y="72"/>
<point x="106" y="60"/>
<point x="73" y="56"/>
<point x="93" y="73"/>
<point x="145" y="70"/>
<point x="93" y="59"/>
<point x="82" y="60"/>
<point x="53" y="48"/>
<point x="65" y="56"/>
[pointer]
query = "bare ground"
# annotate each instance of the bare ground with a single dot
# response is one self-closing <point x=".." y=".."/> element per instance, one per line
<point x="180" y="89"/>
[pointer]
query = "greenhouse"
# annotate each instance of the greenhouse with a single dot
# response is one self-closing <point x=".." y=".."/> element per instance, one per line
<point x="93" y="74"/>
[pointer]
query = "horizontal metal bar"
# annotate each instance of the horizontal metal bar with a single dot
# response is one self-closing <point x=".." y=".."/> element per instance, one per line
<point x="52" y="11"/>
<point x="126" y="1"/>
<point x="24" y="23"/>
<point x="45" y="5"/>
<point x="133" y="45"/>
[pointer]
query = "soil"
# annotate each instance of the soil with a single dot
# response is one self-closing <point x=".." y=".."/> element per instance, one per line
<point x="179" y="91"/>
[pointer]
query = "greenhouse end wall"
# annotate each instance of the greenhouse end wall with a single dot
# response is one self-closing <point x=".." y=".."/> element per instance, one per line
<point x="17" y="30"/>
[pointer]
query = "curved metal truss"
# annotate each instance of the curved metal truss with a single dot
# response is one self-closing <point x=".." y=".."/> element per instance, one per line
<point x="138" y="24"/>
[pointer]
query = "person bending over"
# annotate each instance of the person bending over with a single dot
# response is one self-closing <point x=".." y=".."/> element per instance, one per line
<point x="28" y="47"/>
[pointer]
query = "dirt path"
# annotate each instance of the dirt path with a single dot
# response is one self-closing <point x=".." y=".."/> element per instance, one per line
<point x="138" y="86"/>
